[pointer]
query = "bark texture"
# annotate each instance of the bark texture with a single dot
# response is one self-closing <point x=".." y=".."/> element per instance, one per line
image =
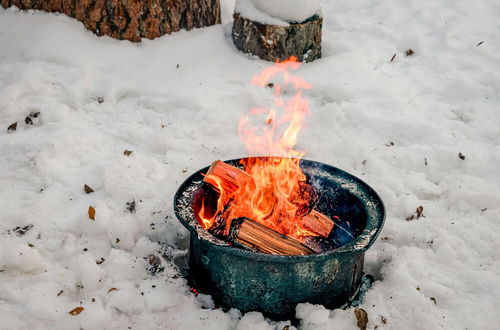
<point x="131" y="19"/>
<point x="272" y="42"/>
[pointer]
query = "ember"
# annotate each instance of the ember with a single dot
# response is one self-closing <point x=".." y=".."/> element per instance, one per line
<point x="270" y="192"/>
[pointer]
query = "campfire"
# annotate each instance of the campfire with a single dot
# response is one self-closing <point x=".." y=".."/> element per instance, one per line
<point x="273" y="229"/>
<point x="267" y="205"/>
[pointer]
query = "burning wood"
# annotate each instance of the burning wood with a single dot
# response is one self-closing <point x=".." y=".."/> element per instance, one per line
<point x="226" y="177"/>
<point x="271" y="191"/>
<point x="253" y="235"/>
<point x="318" y="223"/>
<point x="229" y="178"/>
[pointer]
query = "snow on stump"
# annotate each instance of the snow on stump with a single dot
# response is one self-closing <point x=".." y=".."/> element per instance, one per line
<point x="131" y="19"/>
<point x="259" y="29"/>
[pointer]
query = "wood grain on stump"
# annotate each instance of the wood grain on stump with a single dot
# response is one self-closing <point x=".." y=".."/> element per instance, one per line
<point x="131" y="19"/>
<point x="273" y="42"/>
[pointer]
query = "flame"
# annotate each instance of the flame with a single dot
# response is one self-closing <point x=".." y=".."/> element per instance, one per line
<point x="205" y="217"/>
<point x="276" y="197"/>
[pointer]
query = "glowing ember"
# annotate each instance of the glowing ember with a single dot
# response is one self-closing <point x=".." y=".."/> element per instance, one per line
<point x="276" y="196"/>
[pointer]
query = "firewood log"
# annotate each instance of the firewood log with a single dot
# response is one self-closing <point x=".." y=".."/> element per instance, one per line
<point x="228" y="177"/>
<point x="318" y="223"/>
<point x="250" y="234"/>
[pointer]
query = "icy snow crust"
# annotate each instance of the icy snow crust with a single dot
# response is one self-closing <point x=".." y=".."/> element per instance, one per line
<point x="437" y="272"/>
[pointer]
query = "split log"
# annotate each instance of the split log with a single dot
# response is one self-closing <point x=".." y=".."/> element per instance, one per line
<point x="274" y="42"/>
<point x="228" y="177"/>
<point x="250" y="234"/>
<point x="131" y="19"/>
<point x="318" y="223"/>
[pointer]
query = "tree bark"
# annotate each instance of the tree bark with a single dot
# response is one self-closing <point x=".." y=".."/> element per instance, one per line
<point x="131" y="19"/>
<point x="273" y="42"/>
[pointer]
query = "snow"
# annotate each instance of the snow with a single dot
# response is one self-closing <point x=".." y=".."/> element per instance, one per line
<point x="175" y="102"/>
<point x="277" y="12"/>
<point x="248" y="10"/>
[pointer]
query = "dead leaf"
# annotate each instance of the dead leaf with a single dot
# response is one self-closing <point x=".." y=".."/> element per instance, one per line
<point x="12" y="127"/>
<point x="461" y="156"/>
<point x="409" y="52"/>
<point x="420" y="211"/>
<point x="76" y="311"/>
<point x="433" y="300"/>
<point x="112" y="289"/>
<point x="393" y="57"/>
<point x="270" y="85"/>
<point x="154" y="260"/>
<point x="362" y="317"/>
<point x="91" y="213"/>
<point x="28" y="121"/>
<point x="127" y="152"/>
<point x="87" y="189"/>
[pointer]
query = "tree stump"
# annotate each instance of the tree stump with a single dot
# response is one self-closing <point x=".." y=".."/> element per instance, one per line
<point x="131" y="19"/>
<point x="274" y="42"/>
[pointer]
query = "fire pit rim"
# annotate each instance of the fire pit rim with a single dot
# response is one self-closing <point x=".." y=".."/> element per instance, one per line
<point x="374" y="225"/>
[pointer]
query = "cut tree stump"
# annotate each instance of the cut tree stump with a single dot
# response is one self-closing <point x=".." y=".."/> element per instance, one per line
<point x="131" y="19"/>
<point x="274" y="42"/>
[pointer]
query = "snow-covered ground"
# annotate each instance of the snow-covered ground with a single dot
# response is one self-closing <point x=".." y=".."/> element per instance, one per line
<point x="277" y="12"/>
<point x="175" y="102"/>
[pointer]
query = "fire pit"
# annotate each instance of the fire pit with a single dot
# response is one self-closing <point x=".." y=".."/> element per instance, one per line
<point x="274" y="284"/>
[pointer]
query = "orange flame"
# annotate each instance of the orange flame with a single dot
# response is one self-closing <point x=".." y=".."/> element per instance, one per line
<point x="276" y="197"/>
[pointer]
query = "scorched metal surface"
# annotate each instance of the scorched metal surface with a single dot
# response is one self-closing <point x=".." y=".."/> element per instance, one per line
<point x="274" y="284"/>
